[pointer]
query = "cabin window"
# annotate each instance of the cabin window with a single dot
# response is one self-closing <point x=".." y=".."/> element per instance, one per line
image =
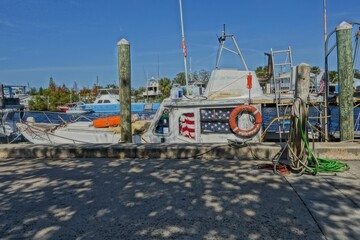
<point x="187" y="125"/>
<point x="106" y="101"/>
<point x="215" y="120"/>
<point x="100" y="101"/>
<point x="162" y="126"/>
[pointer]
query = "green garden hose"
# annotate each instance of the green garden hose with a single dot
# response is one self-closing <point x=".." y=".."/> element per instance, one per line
<point x="322" y="165"/>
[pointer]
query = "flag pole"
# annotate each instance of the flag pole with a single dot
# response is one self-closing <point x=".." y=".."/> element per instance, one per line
<point x="183" y="46"/>
<point x="326" y="92"/>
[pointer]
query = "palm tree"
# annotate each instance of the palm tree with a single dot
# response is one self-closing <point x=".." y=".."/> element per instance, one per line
<point x="333" y="76"/>
<point x="315" y="70"/>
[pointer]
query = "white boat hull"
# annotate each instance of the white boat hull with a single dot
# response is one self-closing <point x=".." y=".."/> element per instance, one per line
<point x="78" y="132"/>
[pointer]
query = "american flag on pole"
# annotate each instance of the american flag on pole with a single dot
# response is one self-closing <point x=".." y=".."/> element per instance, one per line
<point x="184" y="47"/>
<point x="321" y="86"/>
<point x="187" y="125"/>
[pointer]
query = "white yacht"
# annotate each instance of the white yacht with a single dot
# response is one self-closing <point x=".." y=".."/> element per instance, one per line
<point x="108" y="101"/>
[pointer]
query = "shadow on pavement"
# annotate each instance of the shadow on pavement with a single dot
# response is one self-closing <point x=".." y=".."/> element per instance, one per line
<point x="150" y="199"/>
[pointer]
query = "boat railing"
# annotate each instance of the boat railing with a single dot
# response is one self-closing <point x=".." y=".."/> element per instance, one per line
<point x="54" y="117"/>
<point x="35" y="131"/>
<point x="357" y="123"/>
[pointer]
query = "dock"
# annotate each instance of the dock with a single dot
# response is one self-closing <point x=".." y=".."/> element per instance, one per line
<point x="54" y="196"/>
<point x="343" y="151"/>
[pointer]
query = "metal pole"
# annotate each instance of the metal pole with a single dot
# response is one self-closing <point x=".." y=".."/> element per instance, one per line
<point x="326" y="92"/>
<point x="326" y="80"/>
<point x="345" y="71"/>
<point x="324" y="3"/>
<point x="183" y="46"/>
<point x="125" y="89"/>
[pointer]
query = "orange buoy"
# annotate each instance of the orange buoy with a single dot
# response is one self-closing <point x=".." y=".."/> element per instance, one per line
<point x="246" y="133"/>
<point x="105" y="122"/>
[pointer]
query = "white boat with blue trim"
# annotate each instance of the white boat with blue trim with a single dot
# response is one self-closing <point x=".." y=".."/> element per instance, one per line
<point x="108" y="101"/>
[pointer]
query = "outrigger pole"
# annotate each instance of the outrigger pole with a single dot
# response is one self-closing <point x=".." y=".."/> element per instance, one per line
<point x="184" y="47"/>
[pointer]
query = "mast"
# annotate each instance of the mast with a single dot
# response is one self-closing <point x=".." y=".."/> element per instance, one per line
<point x="326" y="79"/>
<point x="183" y="45"/>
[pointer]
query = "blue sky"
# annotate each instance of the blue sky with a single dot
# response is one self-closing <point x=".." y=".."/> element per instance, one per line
<point x="75" y="40"/>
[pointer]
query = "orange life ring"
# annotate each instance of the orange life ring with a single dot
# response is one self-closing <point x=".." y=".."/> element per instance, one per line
<point x="248" y="132"/>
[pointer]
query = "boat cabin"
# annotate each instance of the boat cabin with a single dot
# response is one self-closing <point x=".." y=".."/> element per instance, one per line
<point x="208" y="118"/>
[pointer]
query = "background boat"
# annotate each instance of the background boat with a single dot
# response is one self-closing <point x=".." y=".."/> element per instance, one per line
<point x="108" y="102"/>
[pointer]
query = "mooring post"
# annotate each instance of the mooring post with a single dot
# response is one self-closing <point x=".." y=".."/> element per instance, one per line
<point x="125" y="89"/>
<point x="302" y="84"/>
<point x="299" y="116"/>
<point x="346" y="78"/>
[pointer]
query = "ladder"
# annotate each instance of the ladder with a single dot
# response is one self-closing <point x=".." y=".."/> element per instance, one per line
<point x="281" y="83"/>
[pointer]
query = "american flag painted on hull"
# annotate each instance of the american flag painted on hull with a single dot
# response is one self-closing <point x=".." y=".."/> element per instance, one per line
<point x="187" y="125"/>
<point x="215" y="120"/>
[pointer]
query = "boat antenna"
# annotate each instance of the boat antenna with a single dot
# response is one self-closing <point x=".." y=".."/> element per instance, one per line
<point x="222" y="47"/>
<point x="183" y="45"/>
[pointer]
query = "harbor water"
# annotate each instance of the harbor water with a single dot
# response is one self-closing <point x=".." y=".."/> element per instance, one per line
<point x="268" y="114"/>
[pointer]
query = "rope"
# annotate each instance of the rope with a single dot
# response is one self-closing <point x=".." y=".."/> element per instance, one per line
<point x="304" y="160"/>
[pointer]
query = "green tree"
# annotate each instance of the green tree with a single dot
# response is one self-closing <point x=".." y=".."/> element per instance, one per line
<point x="32" y="92"/>
<point x="75" y="87"/>
<point x="315" y="70"/>
<point x="357" y="73"/>
<point x="201" y="76"/>
<point x="165" y="87"/>
<point x="52" y="85"/>
<point x="261" y="72"/>
<point x="180" y="79"/>
<point x="333" y="76"/>
<point x="41" y="91"/>
<point x="138" y="93"/>
<point x="38" y="103"/>
<point x="114" y="86"/>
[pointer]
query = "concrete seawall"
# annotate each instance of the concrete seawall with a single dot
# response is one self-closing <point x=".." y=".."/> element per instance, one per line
<point x="266" y="151"/>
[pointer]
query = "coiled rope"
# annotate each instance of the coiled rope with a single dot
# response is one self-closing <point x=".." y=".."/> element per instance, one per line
<point x="301" y="157"/>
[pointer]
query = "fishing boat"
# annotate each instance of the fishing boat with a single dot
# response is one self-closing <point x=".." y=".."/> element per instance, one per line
<point x="108" y="101"/>
<point x="80" y="130"/>
<point x="9" y="106"/>
<point x="223" y="113"/>
<point x="72" y="132"/>
<point x="78" y="109"/>
<point x="6" y="126"/>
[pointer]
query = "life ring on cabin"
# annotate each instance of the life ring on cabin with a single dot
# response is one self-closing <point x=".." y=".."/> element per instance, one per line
<point x="245" y="133"/>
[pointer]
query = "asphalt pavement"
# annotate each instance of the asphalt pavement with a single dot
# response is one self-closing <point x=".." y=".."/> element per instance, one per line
<point x="94" y="198"/>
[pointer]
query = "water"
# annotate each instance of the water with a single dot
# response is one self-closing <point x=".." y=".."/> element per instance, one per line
<point x="268" y="113"/>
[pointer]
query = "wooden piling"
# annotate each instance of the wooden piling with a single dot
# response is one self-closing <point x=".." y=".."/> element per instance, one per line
<point x="299" y="117"/>
<point x="346" y="78"/>
<point x="125" y="89"/>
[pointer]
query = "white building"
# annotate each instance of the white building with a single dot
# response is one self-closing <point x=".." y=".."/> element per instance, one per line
<point x="152" y="88"/>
